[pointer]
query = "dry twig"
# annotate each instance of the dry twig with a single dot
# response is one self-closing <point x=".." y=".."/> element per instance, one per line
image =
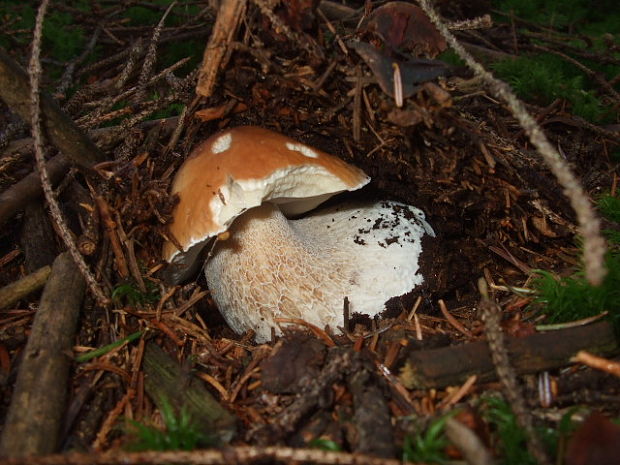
<point x="35" y="416"/>
<point x="608" y="366"/>
<point x="19" y="289"/>
<point x="239" y="455"/>
<point x="34" y="70"/>
<point x="228" y="19"/>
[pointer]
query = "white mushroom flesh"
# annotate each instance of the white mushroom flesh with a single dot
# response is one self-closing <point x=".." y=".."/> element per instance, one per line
<point x="272" y="267"/>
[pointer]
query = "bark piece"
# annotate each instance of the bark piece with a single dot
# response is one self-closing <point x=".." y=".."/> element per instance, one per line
<point x="452" y="365"/>
<point x="35" y="415"/>
<point x="372" y="416"/>
<point x="61" y="130"/>
<point x="166" y="381"/>
<point x="292" y="363"/>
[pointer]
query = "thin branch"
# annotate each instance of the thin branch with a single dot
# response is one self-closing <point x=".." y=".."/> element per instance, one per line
<point x="506" y="374"/>
<point x="151" y="54"/>
<point x="240" y="455"/>
<point x="34" y="71"/>
<point x="589" y="224"/>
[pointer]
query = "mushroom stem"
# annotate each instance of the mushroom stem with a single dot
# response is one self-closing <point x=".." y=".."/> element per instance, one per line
<point x="269" y="269"/>
<point x="272" y="267"/>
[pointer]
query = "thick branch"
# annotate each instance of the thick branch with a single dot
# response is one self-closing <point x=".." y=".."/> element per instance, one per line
<point x="437" y="368"/>
<point x="37" y="407"/>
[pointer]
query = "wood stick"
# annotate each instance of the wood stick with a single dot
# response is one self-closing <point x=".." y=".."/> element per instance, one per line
<point x="35" y="414"/>
<point x="448" y="366"/>
<point x="16" y="197"/>
<point x="19" y="289"/>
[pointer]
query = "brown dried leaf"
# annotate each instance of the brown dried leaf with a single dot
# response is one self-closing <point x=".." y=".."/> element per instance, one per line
<point x="298" y="14"/>
<point x="405" y="27"/>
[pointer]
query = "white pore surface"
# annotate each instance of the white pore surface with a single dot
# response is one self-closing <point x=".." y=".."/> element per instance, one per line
<point x="272" y="267"/>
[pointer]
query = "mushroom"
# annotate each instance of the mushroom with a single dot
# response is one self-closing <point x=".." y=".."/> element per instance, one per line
<point x="248" y="183"/>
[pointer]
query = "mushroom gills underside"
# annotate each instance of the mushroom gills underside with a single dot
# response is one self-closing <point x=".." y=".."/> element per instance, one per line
<point x="271" y="267"/>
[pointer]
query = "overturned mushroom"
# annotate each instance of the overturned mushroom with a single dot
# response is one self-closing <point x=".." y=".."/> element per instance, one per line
<point x="248" y="181"/>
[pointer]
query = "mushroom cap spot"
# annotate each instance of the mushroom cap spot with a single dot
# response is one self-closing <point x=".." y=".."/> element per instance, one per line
<point x="303" y="149"/>
<point x="215" y="187"/>
<point x="222" y="143"/>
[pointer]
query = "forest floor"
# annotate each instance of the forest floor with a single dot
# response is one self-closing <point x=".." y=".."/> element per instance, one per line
<point x="380" y="392"/>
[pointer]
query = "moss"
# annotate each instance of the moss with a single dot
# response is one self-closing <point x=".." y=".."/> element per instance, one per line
<point x="180" y="433"/>
<point x="597" y="16"/>
<point x="543" y="78"/>
<point x="573" y="298"/>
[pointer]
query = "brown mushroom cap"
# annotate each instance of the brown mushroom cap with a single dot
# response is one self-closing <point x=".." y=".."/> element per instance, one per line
<point x="240" y="168"/>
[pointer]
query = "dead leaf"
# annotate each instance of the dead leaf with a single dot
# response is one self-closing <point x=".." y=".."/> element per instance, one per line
<point x="298" y="14"/>
<point x="412" y="72"/>
<point x="405" y="27"/>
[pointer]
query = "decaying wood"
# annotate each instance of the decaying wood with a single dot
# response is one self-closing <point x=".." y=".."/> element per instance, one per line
<point x="62" y="132"/>
<point x="452" y="365"/>
<point x="16" y="197"/>
<point x="19" y="289"/>
<point x="340" y="363"/>
<point x="35" y="415"/>
<point x="166" y="381"/>
<point x="372" y="415"/>
<point x="228" y="19"/>
<point x="492" y="316"/>
<point x="101" y="136"/>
